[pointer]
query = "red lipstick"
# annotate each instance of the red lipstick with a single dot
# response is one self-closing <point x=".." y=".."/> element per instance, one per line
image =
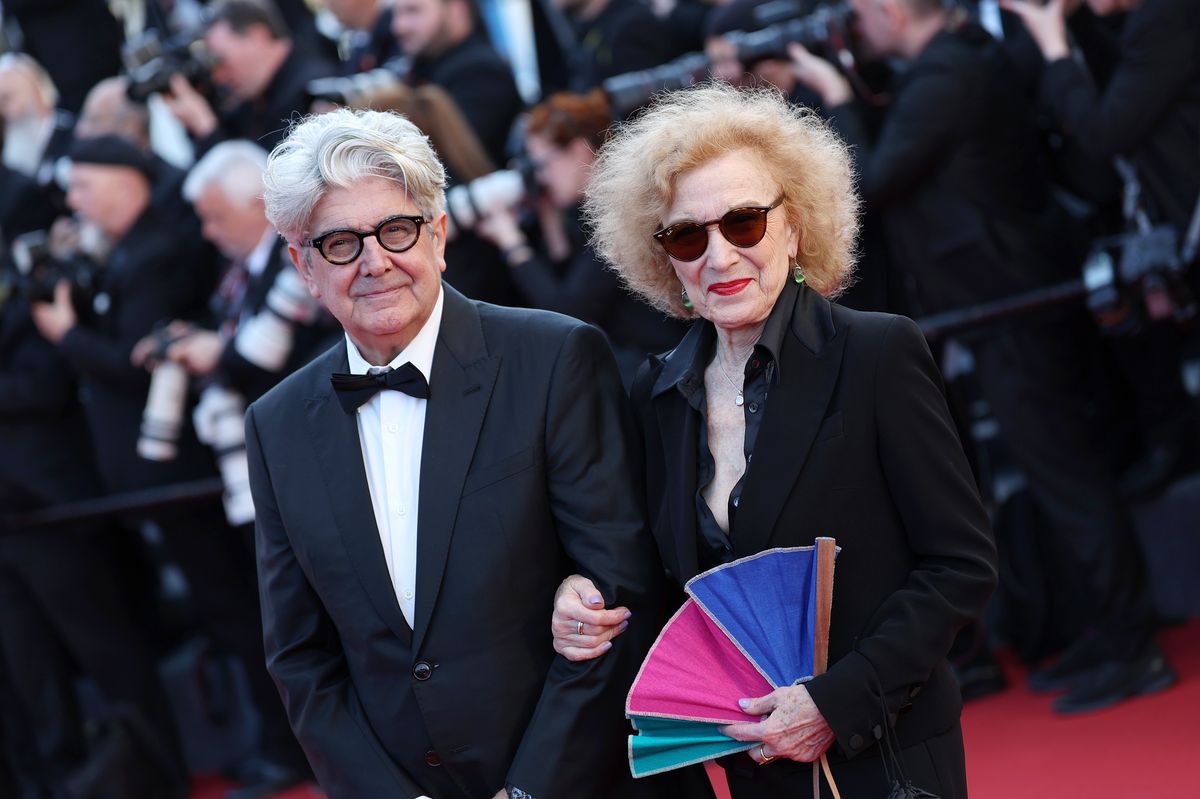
<point x="730" y="288"/>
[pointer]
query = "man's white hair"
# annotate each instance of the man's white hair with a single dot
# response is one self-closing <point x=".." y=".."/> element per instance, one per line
<point x="341" y="148"/>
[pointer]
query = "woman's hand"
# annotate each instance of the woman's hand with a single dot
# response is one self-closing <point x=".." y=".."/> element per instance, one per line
<point x="794" y="728"/>
<point x="1045" y="23"/>
<point x="581" y="627"/>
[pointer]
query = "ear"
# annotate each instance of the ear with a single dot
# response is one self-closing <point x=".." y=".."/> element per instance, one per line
<point x="302" y="267"/>
<point x="438" y="230"/>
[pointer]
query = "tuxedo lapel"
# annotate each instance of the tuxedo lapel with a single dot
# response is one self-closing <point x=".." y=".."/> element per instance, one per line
<point x="810" y="362"/>
<point x="459" y="391"/>
<point x="340" y="461"/>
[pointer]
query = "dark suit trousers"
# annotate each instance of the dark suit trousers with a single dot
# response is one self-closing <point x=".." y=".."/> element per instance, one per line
<point x="61" y="610"/>
<point x="1035" y="379"/>
<point x="218" y="562"/>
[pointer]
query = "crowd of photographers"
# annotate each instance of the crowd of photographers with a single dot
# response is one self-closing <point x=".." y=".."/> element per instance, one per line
<point x="1044" y="152"/>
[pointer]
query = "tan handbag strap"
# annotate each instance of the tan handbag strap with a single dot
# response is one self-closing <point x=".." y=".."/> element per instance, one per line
<point x="824" y="766"/>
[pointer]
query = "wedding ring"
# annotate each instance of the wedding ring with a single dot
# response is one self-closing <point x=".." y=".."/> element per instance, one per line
<point x="762" y="753"/>
<point x="579" y="629"/>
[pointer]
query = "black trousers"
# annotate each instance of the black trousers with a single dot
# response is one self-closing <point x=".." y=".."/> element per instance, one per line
<point x="61" y="613"/>
<point x="937" y="765"/>
<point x="218" y="563"/>
<point x="1036" y="379"/>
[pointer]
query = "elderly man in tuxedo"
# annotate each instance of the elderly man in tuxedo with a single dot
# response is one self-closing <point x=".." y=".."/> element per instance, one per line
<point x="422" y="487"/>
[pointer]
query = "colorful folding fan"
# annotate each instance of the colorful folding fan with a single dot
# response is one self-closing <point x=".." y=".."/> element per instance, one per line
<point x="747" y="627"/>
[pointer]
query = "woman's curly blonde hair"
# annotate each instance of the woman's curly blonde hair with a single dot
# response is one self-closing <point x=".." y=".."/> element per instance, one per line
<point x="633" y="182"/>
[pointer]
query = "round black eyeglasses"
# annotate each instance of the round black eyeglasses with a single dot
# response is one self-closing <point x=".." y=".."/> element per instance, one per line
<point x="395" y="234"/>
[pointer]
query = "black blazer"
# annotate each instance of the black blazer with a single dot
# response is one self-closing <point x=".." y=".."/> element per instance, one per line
<point x="526" y="476"/>
<point x="856" y="443"/>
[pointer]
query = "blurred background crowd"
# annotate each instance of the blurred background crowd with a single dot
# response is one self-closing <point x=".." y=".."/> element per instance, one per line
<point x="1030" y="176"/>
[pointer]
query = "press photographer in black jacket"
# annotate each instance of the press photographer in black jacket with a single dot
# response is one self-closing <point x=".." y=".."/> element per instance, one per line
<point x="562" y="137"/>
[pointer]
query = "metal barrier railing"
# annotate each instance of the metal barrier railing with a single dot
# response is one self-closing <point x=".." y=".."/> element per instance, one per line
<point x="146" y="502"/>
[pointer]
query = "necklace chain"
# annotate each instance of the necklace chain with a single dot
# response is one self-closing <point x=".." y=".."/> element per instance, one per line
<point x="739" y="399"/>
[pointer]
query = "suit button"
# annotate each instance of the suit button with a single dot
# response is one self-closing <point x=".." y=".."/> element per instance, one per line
<point x="422" y="671"/>
<point x="877" y="731"/>
<point x="432" y="759"/>
<point x="856" y="741"/>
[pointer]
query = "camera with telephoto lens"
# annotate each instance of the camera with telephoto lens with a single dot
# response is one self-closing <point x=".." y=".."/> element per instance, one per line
<point x="39" y="270"/>
<point x="162" y="417"/>
<point x="151" y="61"/>
<point x="1135" y="276"/>
<point x="467" y="203"/>
<point x="219" y="423"/>
<point x="826" y="26"/>
<point x="631" y="90"/>
<point x="361" y="89"/>
<point x="266" y="338"/>
<point x="786" y="21"/>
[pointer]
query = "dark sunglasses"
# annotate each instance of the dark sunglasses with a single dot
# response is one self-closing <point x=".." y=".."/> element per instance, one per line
<point x="394" y="234"/>
<point x="741" y="227"/>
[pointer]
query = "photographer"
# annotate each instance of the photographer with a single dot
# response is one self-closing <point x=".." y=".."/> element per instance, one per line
<point x="62" y="611"/>
<point x="258" y="67"/>
<point x="1142" y="105"/>
<point x="1147" y="108"/>
<point x="35" y="135"/>
<point x="968" y="213"/>
<point x="265" y="323"/>
<point x="562" y="137"/>
<point x="158" y="268"/>
<point x="449" y="48"/>
<point x="368" y="25"/>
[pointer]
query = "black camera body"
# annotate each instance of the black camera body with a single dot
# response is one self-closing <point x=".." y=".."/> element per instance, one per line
<point x="1135" y="276"/>
<point x="151" y="62"/>
<point x="39" y="270"/>
<point x="823" y="27"/>
<point x="358" y="90"/>
<point x="826" y="26"/>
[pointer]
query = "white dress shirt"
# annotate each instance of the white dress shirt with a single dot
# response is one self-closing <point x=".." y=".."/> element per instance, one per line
<point x="391" y="429"/>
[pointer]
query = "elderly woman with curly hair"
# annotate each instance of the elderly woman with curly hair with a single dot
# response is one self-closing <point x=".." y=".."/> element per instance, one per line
<point x="781" y="417"/>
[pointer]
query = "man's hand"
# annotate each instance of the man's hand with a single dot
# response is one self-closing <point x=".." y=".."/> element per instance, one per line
<point x="821" y="76"/>
<point x="794" y="728"/>
<point x="54" y="319"/>
<point x="1046" y="24"/>
<point x="145" y="352"/>
<point x="581" y="627"/>
<point x="198" y="352"/>
<point x="190" y="108"/>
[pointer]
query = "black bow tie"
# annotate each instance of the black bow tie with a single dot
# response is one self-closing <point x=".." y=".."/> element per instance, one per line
<point x="354" y="390"/>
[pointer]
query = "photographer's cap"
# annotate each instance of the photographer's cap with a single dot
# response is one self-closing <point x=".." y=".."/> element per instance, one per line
<point x="112" y="151"/>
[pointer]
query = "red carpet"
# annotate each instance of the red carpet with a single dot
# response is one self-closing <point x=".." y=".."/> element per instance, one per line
<point x="1145" y="748"/>
<point x="1142" y="749"/>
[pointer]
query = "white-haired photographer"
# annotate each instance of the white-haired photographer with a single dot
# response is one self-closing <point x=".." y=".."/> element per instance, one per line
<point x="263" y="323"/>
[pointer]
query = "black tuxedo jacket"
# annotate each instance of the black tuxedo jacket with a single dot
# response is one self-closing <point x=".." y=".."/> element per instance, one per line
<point x="856" y="443"/>
<point x="525" y="477"/>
